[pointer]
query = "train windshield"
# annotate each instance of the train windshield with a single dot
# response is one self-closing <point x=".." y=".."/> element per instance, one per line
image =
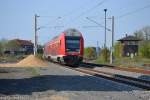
<point x="72" y="44"/>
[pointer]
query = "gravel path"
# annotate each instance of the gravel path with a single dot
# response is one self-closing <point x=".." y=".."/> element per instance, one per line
<point x="58" y="83"/>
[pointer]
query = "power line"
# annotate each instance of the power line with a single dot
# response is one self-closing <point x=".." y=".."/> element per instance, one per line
<point x="97" y="5"/>
<point x="74" y="10"/>
<point x="88" y="10"/>
<point x="89" y="26"/>
<point x="98" y="24"/>
<point x="43" y="16"/>
<point x="132" y="12"/>
<point x="49" y="22"/>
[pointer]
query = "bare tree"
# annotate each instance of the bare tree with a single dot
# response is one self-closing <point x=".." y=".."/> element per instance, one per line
<point x="3" y="43"/>
<point x="144" y="46"/>
<point x="146" y="31"/>
<point x="143" y="33"/>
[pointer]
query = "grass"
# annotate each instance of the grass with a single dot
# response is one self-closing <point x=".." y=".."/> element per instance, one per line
<point x="16" y="58"/>
<point x="34" y="71"/>
<point x="11" y="58"/>
<point x="40" y="56"/>
<point x="128" y="62"/>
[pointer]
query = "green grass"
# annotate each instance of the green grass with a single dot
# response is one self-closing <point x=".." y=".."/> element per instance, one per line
<point x="34" y="71"/>
<point x="40" y="56"/>
<point x="11" y="58"/>
<point x="128" y="62"/>
<point x="101" y="61"/>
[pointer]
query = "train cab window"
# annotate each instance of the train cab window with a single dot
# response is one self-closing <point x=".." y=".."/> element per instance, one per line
<point x="73" y="45"/>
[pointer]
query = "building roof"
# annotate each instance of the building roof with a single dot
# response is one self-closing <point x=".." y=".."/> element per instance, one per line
<point x="129" y="38"/>
<point x="23" y="42"/>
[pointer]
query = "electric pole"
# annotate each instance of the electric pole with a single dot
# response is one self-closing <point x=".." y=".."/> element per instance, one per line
<point x="112" y="47"/>
<point x="105" y="10"/>
<point x="105" y="48"/>
<point x="97" y="49"/>
<point x="35" y="34"/>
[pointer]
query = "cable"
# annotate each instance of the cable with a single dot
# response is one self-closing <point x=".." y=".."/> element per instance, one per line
<point x="132" y="12"/>
<point x="97" y="5"/>
<point x="90" y="26"/>
<point x="42" y="16"/>
<point x="87" y="11"/>
<point x="48" y="23"/>
<point x="75" y="10"/>
<point x="98" y="24"/>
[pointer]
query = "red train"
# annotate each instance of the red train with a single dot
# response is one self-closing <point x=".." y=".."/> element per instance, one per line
<point x="67" y="48"/>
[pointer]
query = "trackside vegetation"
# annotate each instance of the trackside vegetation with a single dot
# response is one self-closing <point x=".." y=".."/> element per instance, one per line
<point x="142" y="57"/>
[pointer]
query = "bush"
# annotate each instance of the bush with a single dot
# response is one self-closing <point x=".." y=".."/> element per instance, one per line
<point x="118" y="49"/>
<point x="89" y="53"/>
<point x="1" y="51"/>
<point x="40" y="56"/>
<point x="144" y="49"/>
<point x="104" y="55"/>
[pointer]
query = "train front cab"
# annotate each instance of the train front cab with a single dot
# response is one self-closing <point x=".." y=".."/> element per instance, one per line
<point x="73" y="48"/>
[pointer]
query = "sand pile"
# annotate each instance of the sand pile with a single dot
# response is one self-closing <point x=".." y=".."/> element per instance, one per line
<point x="30" y="61"/>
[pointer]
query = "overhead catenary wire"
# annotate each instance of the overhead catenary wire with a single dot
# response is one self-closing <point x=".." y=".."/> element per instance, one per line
<point x="128" y="13"/>
<point x="134" y="11"/>
<point x="90" y="26"/>
<point x="49" y="22"/>
<point x="75" y="10"/>
<point x="98" y="24"/>
<point x="89" y="10"/>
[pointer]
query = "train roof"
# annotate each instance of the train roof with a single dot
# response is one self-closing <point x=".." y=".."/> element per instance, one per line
<point x="55" y="37"/>
<point x="72" y="32"/>
<point x="68" y="32"/>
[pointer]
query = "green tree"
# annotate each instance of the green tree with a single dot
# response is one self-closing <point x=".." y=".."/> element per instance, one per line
<point x="105" y="55"/>
<point x="40" y="49"/>
<point x="1" y="48"/>
<point x="144" y="45"/>
<point x="89" y="53"/>
<point x="3" y="43"/>
<point x="12" y="45"/>
<point x="118" y="49"/>
<point x="144" y="49"/>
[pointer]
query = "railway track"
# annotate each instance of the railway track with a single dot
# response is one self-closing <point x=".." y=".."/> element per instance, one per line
<point x="118" y="68"/>
<point x="144" y="84"/>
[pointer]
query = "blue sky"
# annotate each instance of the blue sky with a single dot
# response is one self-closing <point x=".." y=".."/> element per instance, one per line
<point x="17" y="18"/>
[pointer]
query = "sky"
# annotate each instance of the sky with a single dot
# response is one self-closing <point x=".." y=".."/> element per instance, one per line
<point x="17" y="18"/>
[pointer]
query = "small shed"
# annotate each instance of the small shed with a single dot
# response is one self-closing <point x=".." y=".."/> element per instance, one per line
<point x="130" y="45"/>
